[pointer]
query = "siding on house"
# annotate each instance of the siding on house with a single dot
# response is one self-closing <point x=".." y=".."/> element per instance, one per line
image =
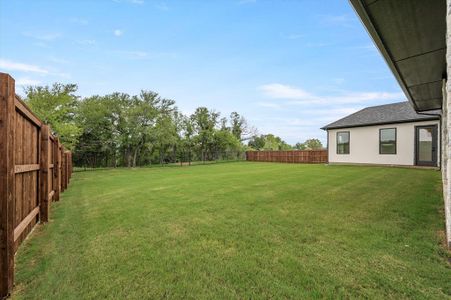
<point x="364" y="144"/>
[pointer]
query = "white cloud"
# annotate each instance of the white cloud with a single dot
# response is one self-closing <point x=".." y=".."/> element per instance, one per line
<point x="47" y="37"/>
<point x="86" y="42"/>
<point x="146" y="55"/>
<point x="58" y="60"/>
<point x="247" y="1"/>
<point x="337" y="20"/>
<point x="61" y="74"/>
<point x="138" y="2"/>
<point x="325" y="116"/>
<point x="338" y="80"/>
<point x="16" y="66"/>
<point x="300" y="122"/>
<point x="135" y="54"/>
<point x="269" y="105"/>
<point x="24" y="81"/>
<point x="298" y="96"/>
<point x="79" y="21"/>
<point x="118" y="32"/>
<point x="318" y="45"/>
<point x="162" y="6"/>
<point x="361" y="97"/>
<point x="282" y="91"/>
<point x="41" y="44"/>
<point x="293" y="36"/>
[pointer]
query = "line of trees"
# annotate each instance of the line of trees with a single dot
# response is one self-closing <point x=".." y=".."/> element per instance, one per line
<point x="136" y="130"/>
<point x="272" y="142"/>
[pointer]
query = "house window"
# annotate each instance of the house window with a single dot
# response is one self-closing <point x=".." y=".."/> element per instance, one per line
<point x="387" y="141"/>
<point x="343" y="142"/>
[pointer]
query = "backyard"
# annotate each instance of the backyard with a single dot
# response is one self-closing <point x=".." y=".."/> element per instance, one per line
<point x="241" y="230"/>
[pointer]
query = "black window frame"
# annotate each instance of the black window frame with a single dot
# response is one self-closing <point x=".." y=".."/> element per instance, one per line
<point x="396" y="141"/>
<point x="349" y="142"/>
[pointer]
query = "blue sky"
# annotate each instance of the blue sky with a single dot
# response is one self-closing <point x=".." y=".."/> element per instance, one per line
<point x="289" y="67"/>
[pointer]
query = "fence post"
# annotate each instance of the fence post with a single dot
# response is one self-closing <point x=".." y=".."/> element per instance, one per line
<point x="56" y="169"/>
<point x="7" y="183"/>
<point x="44" y="175"/>
<point x="70" y="165"/>
<point x="66" y="167"/>
<point x="66" y="170"/>
<point x="63" y="175"/>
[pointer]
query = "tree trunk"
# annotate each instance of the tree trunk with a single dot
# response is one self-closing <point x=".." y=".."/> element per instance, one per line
<point x="129" y="157"/>
<point x="124" y="158"/>
<point x="135" y="155"/>
<point x="161" y="155"/>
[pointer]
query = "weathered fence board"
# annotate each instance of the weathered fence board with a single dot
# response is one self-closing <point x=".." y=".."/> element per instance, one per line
<point x="30" y="175"/>
<point x="292" y="156"/>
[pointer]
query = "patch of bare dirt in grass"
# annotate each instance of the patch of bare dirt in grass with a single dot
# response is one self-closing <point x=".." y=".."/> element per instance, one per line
<point x="176" y="230"/>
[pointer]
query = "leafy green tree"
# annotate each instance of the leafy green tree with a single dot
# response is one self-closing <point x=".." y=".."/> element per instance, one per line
<point x="300" y="146"/>
<point x="257" y="142"/>
<point x="238" y="124"/>
<point x="205" y="122"/>
<point x="165" y="135"/>
<point x="187" y="137"/>
<point x="310" y="144"/>
<point x="268" y="142"/>
<point x="240" y="127"/>
<point x="225" y="144"/>
<point x="56" y="106"/>
<point x="98" y="141"/>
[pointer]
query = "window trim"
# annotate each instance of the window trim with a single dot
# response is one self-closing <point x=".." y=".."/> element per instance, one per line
<point x="349" y="142"/>
<point x="396" y="141"/>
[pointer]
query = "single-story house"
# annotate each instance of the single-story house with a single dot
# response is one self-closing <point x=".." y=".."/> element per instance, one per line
<point x="414" y="38"/>
<point x="391" y="134"/>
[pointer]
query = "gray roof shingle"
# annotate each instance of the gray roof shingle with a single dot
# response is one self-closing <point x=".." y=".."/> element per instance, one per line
<point x="383" y="114"/>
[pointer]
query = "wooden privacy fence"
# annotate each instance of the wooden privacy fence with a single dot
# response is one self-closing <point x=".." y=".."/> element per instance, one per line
<point x="292" y="156"/>
<point x="34" y="169"/>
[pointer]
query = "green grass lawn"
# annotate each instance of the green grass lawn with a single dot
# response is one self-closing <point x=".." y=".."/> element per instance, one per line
<point x="241" y="230"/>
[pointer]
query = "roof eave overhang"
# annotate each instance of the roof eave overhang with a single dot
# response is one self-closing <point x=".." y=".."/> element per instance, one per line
<point x="359" y="8"/>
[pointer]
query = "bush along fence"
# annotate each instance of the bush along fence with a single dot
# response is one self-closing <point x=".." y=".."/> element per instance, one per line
<point x="293" y="156"/>
<point x="34" y="169"/>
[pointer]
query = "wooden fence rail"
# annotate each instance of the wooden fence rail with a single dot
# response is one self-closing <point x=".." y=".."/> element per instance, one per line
<point x="34" y="169"/>
<point x="293" y="156"/>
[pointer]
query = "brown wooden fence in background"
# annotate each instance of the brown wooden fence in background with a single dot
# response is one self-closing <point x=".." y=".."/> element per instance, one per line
<point x="34" y="169"/>
<point x="292" y="156"/>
